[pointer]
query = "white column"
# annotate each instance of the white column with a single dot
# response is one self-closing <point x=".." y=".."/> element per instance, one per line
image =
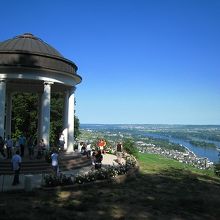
<point x="8" y="114"/>
<point x="2" y="107"/>
<point x="39" y="117"/>
<point x="45" y="113"/>
<point x="71" y="120"/>
<point x="65" y="119"/>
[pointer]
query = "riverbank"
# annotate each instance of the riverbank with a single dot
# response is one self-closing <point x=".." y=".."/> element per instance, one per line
<point x="187" y="157"/>
<point x="201" y="152"/>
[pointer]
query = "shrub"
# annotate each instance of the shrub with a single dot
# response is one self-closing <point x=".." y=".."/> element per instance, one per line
<point x="100" y="174"/>
<point x="217" y="169"/>
<point x="60" y="180"/>
<point x="80" y="179"/>
<point x="130" y="148"/>
<point x="51" y="180"/>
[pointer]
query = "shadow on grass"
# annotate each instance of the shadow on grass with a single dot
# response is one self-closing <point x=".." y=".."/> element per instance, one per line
<point x="169" y="194"/>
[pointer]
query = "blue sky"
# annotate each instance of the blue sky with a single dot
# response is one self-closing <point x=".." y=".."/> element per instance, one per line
<point x="142" y="61"/>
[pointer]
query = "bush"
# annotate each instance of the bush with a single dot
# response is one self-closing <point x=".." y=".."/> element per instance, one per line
<point x="130" y="148"/>
<point x="101" y="174"/>
<point x="80" y="179"/>
<point x="217" y="169"/>
<point x="61" y="180"/>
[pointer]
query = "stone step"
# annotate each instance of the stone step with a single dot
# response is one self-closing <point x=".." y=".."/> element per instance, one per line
<point x="43" y="162"/>
<point x="42" y="166"/>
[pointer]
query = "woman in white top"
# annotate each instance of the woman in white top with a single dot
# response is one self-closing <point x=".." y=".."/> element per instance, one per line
<point x="54" y="162"/>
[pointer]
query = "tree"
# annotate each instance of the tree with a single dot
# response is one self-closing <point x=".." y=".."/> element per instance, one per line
<point x="76" y="126"/>
<point x="25" y="116"/>
<point x="56" y="117"/>
<point x="130" y="148"/>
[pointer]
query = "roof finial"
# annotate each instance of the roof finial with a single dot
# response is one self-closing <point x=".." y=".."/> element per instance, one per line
<point x="27" y="35"/>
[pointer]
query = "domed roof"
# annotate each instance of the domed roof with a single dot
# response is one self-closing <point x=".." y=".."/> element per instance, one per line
<point x="30" y="44"/>
<point x="26" y="52"/>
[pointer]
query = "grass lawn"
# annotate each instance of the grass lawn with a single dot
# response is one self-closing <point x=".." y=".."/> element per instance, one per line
<point x="163" y="189"/>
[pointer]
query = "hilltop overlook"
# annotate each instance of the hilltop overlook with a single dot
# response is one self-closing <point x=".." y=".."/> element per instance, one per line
<point x="163" y="189"/>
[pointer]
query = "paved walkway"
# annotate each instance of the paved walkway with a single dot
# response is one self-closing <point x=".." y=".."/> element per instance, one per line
<point x="36" y="180"/>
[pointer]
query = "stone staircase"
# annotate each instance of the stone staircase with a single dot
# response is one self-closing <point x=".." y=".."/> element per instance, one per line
<point x="36" y="166"/>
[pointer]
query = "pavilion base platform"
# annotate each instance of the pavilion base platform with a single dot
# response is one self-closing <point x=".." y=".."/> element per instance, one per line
<point x="67" y="161"/>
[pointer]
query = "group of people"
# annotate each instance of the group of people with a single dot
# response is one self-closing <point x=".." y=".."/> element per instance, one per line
<point x="16" y="165"/>
<point x="95" y="153"/>
<point x="15" y="152"/>
<point x="20" y="145"/>
<point x="86" y="149"/>
<point x="10" y="147"/>
<point x="15" y="159"/>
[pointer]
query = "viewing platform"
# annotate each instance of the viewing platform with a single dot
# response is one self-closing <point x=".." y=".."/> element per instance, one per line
<point x="69" y="164"/>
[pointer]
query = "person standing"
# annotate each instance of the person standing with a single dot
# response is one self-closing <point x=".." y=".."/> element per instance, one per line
<point x="98" y="160"/>
<point x="30" y="145"/>
<point x="83" y="149"/>
<point x="119" y="152"/>
<point x="16" y="166"/>
<point x="9" y="145"/>
<point x="101" y="144"/>
<point x="22" y="141"/>
<point x="62" y="141"/>
<point x="88" y="150"/>
<point x="93" y="156"/>
<point x="17" y="145"/>
<point x="54" y="160"/>
<point x="41" y="149"/>
<point x="2" y="144"/>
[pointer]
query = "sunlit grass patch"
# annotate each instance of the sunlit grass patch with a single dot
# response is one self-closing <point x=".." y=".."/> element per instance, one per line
<point x="153" y="163"/>
<point x="63" y="195"/>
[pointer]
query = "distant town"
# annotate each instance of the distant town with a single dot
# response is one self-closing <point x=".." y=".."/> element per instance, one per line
<point x="190" y="144"/>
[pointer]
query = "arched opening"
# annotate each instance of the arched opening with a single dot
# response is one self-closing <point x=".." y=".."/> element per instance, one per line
<point x="28" y="64"/>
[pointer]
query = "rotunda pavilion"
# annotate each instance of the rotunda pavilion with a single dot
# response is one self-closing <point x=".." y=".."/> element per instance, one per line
<point x="28" y="64"/>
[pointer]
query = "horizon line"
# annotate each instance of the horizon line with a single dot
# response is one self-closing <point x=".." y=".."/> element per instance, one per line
<point x="150" y="124"/>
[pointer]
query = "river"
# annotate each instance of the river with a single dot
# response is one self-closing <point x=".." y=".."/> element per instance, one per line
<point x="211" y="153"/>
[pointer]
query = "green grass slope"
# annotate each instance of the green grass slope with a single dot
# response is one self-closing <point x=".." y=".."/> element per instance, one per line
<point x="151" y="163"/>
<point x="163" y="189"/>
